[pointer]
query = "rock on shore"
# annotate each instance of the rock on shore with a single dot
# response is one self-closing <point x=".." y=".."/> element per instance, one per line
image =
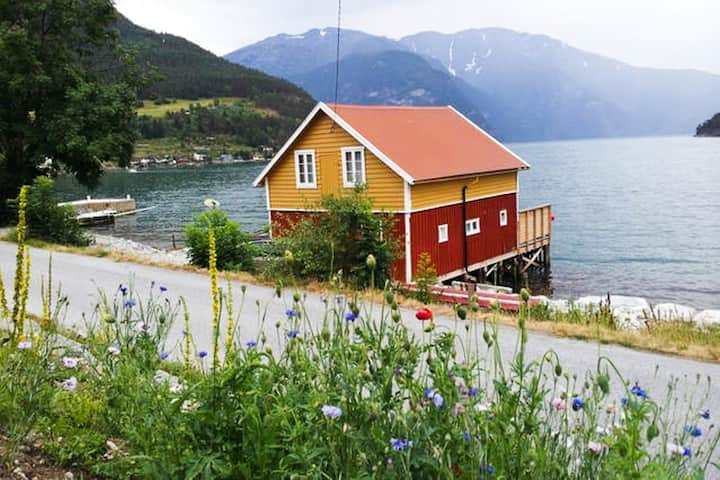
<point x="130" y="247"/>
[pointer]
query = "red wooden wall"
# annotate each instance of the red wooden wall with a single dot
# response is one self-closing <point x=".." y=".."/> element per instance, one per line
<point x="493" y="240"/>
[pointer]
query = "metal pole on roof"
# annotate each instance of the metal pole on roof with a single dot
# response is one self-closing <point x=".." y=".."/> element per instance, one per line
<point x="337" y="55"/>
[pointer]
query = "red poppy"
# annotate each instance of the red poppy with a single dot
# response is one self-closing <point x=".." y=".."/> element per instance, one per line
<point x="423" y="313"/>
<point x="457" y="471"/>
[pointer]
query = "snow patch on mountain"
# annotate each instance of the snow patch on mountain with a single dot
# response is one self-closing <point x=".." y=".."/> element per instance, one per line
<point x="472" y="63"/>
<point x="451" y="70"/>
<point x="488" y="53"/>
<point x="323" y="32"/>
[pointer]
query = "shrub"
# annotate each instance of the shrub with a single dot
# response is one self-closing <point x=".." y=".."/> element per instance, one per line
<point x="425" y="277"/>
<point x="234" y="248"/>
<point x="48" y="221"/>
<point x="340" y="239"/>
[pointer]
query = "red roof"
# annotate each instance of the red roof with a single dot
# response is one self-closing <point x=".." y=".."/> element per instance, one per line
<point x="417" y="143"/>
<point x="429" y="142"/>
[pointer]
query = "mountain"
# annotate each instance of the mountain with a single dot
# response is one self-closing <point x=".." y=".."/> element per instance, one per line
<point x="190" y="72"/>
<point x="709" y="128"/>
<point x="373" y="70"/>
<point x="569" y="92"/>
<point x="526" y="87"/>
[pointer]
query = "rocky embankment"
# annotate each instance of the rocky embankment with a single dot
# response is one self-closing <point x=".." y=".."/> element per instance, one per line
<point x="140" y="250"/>
<point x="634" y="313"/>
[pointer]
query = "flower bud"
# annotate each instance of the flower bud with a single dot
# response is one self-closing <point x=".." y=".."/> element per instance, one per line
<point x="652" y="432"/>
<point x="289" y="258"/>
<point x="296" y="296"/>
<point x="371" y="262"/>
<point x="395" y="315"/>
<point x="389" y="297"/>
<point x="558" y="369"/>
<point x="461" y="312"/>
<point x="525" y="294"/>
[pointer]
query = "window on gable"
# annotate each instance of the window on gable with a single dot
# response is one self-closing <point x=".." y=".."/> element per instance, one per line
<point x="305" y="176"/>
<point x="442" y="233"/>
<point x="503" y="218"/>
<point x="472" y="226"/>
<point x="353" y="166"/>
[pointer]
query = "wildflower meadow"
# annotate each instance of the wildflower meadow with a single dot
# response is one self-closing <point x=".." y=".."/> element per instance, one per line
<point x="354" y="394"/>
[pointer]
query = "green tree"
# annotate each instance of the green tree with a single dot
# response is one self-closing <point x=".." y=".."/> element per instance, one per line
<point x="67" y="91"/>
<point x="46" y="220"/>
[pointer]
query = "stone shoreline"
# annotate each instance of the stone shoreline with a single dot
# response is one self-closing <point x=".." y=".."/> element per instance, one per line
<point x="137" y="249"/>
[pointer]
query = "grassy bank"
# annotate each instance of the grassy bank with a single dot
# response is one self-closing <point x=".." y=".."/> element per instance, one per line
<point x="151" y="109"/>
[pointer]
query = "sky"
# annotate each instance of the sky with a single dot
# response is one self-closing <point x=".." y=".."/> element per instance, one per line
<point x="651" y="33"/>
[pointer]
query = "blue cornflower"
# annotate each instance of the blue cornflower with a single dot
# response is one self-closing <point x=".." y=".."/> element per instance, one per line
<point x="577" y="404"/>
<point x="694" y="431"/>
<point x="400" y="443"/>
<point x="636" y="390"/>
<point x="130" y="303"/>
<point x="438" y="400"/>
<point x="331" y="411"/>
<point x="250" y="343"/>
<point x="163" y="289"/>
<point x="164" y="355"/>
<point x="350" y="317"/>
<point x="466" y="436"/>
<point x="486" y="469"/>
<point x="293" y="333"/>
<point x="291" y="312"/>
<point x="202" y="354"/>
<point x="429" y="392"/>
<point x="705" y="414"/>
<point x="473" y="392"/>
<point x="686" y="452"/>
<point x="123" y="289"/>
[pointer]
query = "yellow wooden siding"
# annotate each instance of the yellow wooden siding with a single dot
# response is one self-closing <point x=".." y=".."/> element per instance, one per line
<point x="426" y="195"/>
<point x="384" y="187"/>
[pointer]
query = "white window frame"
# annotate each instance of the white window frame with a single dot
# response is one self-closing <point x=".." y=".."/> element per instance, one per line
<point x="443" y="233"/>
<point x="352" y="150"/>
<point x="503" y="217"/>
<point x="472" y="226"/>
<point x="305" y="184"/>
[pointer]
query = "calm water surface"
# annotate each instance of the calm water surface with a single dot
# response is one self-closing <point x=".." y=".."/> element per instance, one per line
<point x="633" y="216"/>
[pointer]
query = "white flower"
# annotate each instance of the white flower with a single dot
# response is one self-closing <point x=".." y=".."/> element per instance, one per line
<point x="24" y="345"/>
<point x="331" y="411"/>
<point x="113" y="350"/>
<point x="189" y="406"/>
<point x="483" y="407"/>
<point x="558" y="403"/>
<point x="596" y="447"/>
<point x="177" y="388"/>
<point x="70" y="384"/>
<point x="70" y="362"/>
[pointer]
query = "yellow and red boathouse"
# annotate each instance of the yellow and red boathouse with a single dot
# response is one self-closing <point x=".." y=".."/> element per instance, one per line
<point x="452" y="187"/>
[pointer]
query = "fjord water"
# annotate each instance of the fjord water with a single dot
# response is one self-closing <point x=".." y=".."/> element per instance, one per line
<point x="636" y="216"/>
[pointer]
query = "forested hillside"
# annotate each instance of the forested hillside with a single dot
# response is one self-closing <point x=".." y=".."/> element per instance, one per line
<point x="709" y="128"/>
<point x="188" y="71"/>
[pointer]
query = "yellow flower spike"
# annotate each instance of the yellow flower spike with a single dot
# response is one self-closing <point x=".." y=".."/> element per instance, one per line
<point x="188" y="338"/>
<point x="19" y="262"/>
<point x="214" y="292"/>
<point x="4" y="310"/>
<point x="230" y="325"/>
<point x="24" y="290"/>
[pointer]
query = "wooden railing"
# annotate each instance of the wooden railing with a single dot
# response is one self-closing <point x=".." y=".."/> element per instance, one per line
<point x="534" y="228"/>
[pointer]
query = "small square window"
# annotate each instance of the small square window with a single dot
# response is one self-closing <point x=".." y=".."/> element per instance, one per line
<point x="442" y="233"/>
<point x="472" y="226"/>
<point x="305" y="169"/>
<point x="353" y="166"/>
<point x="503" y="218"/>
